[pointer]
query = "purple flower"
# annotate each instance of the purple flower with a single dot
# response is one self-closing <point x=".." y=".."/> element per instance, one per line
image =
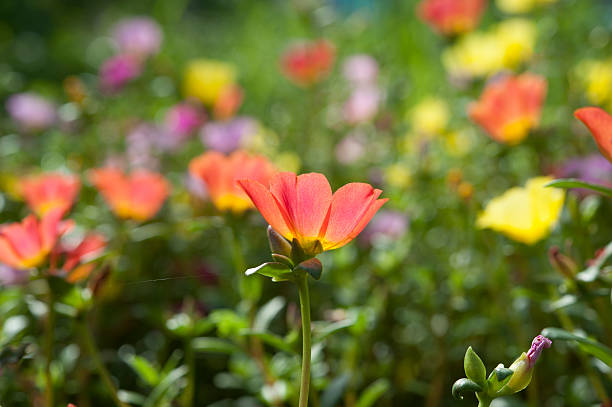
<point x="360" y="69"/>
<point x="117" y="71"/>
<point x="228" y="136"/>
<point x="539" y="343"/>
<point x="140" y="36"/>
<point x="139" y="146"/>
<point x="31" y="111"/>
<point x="593" y="168"/>
<point x="10" y="276"/>
<point x="183" y="119"/>
<point x="387" y="224"/>
<point x="351" y="148"/>
<point x="362" y="105"/>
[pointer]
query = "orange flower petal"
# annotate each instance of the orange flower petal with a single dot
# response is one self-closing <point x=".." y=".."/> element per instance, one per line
<point x="50" y="229"/>
<point x="349" y="205"/>
<point x="267" y="206"/>
<point x="365" y="219"/>
<point x="314" y="197"/>
<point x="8" y="254"/>
<point x="599" y="123"/>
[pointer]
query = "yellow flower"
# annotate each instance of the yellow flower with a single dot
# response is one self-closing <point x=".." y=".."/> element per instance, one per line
<point x="596" y="78"/>
<point x="288" y="161"/>
<point x="459" y="143"/>
<point x="398" y="176"/>
<point x="430" y="116"/>
<point x="207" y="79"/>
<point x="505" y="46"/>
<point x="524" y="214"/>
<point x="520" y="6"/>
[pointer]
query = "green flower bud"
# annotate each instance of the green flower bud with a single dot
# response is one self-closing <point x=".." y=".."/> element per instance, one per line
<point x="278" y="244"/>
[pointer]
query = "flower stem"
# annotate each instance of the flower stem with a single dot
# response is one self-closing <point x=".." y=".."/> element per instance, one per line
<point x="483" y="400"/>
<point x="302" y="283"/>
<point x="190" y="361"/>
<point x="91" y="347"/>
<point x="49" y="339"/>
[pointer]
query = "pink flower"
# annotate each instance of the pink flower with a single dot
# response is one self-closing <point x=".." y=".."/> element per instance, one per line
<point x="362" y="105"/>
<point x="140" y="36"/>
<point x="183" y="119"/>
<point x="351" y="148"/>
<point x="31" y="111"/>
<point x="360" y="69"/>
<point x="117" y="71"/>
<point x="228" y="136"/>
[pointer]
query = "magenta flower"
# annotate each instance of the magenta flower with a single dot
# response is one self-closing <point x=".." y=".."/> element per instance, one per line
<point x="228" y="136"/>
<point x="117" y="71"/>
<point x="360" y="69"/>
<point x="539" y="343"/>
<point x="140" y="36"/>
<point x="31" y="111"/>
<point x="183" y="119"/>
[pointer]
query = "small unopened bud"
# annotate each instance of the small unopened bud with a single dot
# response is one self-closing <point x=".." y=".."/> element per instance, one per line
<point x="278" y="244"/>
<point x="562" y="263"/>
<point x="523" y="366"/>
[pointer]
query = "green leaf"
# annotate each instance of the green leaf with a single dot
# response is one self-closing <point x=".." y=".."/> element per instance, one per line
<point x="464" y="386"/>
<point x="214" y="345"/>
<point x="334" y="391"/>
<point x="311" y="266"/>
<point x="169" y="380"/>
<point x="592" y="272"/>
<point x="568" y="183"/>
<point x="373" y="392"/>
<point x="276" y="271"/>
<point x="498" y="378"/>
<point x="271" y="339"/>
<point x="323" y="330"/>
<point x="147" y="372"/>
<point x="474" y="368"/>
<point x="267" y="313"/>
<point x="586" y="345"/>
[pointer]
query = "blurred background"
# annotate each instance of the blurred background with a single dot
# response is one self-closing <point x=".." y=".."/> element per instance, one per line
<point x="383" y="98"/>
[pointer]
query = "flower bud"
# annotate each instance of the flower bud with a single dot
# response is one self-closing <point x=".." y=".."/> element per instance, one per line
<point x="278" y="244"/>
<point x="562" y="263"/>
<point x="523" y="366"/>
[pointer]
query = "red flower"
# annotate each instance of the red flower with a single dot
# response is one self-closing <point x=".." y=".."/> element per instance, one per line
<point x="137" y="196"/>
<point x="450" y="17"/>
<point x="27" y="243"/>
<point x="77" y="266"/>
<point x="46" y="192"/>
<point x="220" y="172"/>
<point x="510" y="106"/>
<point x="306" y="63"/>
<point x="599" y="123"/>
<point x="303" y="207"/>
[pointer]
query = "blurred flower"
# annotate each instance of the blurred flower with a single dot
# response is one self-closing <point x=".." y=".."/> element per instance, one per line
<point x="524" y="214"/>
<point x="599" y="123"/>
<point x="220" y="173"/>
<point x="505" y="46"/>
<point x="351" y="148"/>
<point x="510" y="107"/>
<point x="139" y="36"/>
<point x="388" y="224"/>
<point x="180" y="123"/>
<point x="398" y="176"/>
<point x="303" y="208"/>
<point x="593" y="168"/>
<point x="137" y="196"/>
<point x="75" y="89"/>
<point x="362" y="104"/>
<point x="10" y="276"/>
<point x="78" y="258"/>
<point x="520" y="6"/>
<point x="430" y="116"/>
<point x="117" y="71"/>
<point x="50" y="191"/>
<point x="207" y="80"/>
<point x="228" y="136"/>
<point x="451" y="17"/>
<point x="27" y="243"/>
<point x="596" y="78"/>
<point x="31" y="111"/>
<point x="140" y="143"/>
<point x="360" y="69"/>
<point x="228" y="102"/>
<point x="308" y="62"/>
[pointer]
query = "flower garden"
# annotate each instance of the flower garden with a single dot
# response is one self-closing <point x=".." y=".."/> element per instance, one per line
<point x="306" y="203"/>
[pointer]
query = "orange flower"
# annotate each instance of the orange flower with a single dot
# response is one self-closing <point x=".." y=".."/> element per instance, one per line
<point x="306" y="63"/>
<point x="220" y="173"/>
<point x="27" y="243"/>
<point x="137" y="196"/>
<point x="89" y="248"/>
<point x="599" y="123"/>
<point x="451" y="17"/>
<point x="303" y="208"/>
<point x="510" y="106"/>
<point x="46" y="192"/>
<point x="228" y="102"/>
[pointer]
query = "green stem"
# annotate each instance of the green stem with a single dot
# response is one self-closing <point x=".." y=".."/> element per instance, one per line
<point x="302" y="283"/>
<point x="91" y="347"/>
<point x="49" y="339"/>
<point x="483" y="400"/>
<point x="190" y="361"/>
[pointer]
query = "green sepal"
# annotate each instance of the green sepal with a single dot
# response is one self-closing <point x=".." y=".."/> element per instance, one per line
<point x="311" y="266"/>
<point x="278" y="244"/>
<point x="282" y="259"/>
<point x="474" y="368"/>
<point x="498" y="378"/>
<point x="465" y="386"/>
<point x="276" y="271"/>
